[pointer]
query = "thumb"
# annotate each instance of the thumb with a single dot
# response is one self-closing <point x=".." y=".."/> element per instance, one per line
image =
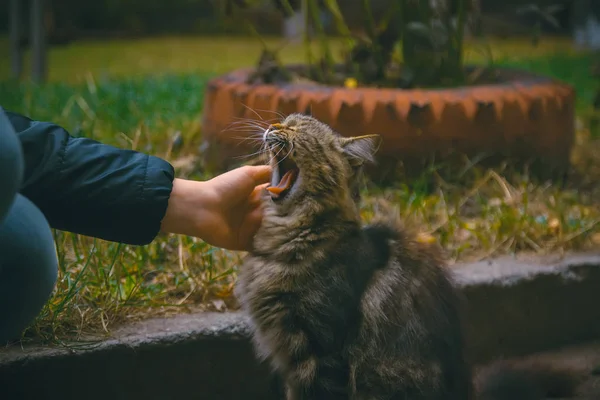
<point x="260" y="174"/>
<point x="246" y="178"/>
<point x="256" y="195"/>
<point x="241" y="181"/>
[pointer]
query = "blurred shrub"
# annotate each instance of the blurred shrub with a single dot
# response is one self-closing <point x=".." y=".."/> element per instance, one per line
<point x="70" y="19"/>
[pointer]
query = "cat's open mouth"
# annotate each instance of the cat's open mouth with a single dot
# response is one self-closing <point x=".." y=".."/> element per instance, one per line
<point x="284" y="176"/>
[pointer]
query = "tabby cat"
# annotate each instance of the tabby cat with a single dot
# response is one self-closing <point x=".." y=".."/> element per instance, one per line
<point x="342" y="310"/>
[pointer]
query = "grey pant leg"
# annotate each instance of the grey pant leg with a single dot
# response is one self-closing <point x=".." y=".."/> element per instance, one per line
<point x="11" y="164"/>
<point x="28" y="267"/>
<point x="28" y="263"/>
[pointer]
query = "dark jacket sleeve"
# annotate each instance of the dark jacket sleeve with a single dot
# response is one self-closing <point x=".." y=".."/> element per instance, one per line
<point x="90" y="188"/>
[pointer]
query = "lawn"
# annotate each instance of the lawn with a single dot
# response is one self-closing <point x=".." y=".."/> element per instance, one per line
<point x="147" y="95"/>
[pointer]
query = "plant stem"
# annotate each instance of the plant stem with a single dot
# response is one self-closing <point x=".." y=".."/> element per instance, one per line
<point x="388" y="17"/>
<point x="459" y="39"/>
<point x="255" y="33"/>
<point x="288" y="8"/>
<point x="369" y="22"/>
<point x="305" y="34"/>
<point x="372" y="34"/>
<point x="341" y="25"/>
<point x="411" y="13"/>
<point x="460" y="27"/>
<point x="325" y="49"/>
<point x="401" y="20"/>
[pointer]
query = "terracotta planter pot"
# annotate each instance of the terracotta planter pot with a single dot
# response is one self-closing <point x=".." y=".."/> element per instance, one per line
<point x="525" y="117"/>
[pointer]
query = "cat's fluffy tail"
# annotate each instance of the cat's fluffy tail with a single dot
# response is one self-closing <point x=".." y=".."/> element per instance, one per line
<point x="526" y="381"/>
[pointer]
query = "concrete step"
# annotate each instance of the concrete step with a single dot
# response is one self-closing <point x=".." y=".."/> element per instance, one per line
<point x="517" y="306"/>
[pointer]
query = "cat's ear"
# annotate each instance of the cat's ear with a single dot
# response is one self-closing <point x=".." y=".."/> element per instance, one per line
<point x="360" y="149"/>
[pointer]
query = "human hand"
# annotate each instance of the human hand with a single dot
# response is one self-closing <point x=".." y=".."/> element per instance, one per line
<point x="224" y="211"/>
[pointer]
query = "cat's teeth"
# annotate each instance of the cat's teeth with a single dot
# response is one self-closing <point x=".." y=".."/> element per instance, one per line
<point x="275" y="176"/>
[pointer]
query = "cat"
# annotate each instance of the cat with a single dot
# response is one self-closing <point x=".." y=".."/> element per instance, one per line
<point x="342" y="310"/>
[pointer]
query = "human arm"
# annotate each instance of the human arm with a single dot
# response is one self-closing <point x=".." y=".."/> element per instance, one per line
<point x="98" y="190"/>
<point x="90" y="188"/>
<point x="225" y="211"/>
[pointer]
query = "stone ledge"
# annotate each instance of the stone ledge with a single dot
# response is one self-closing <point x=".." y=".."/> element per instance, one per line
<point x="529" y="304"/>
<point x="516" y="306"/>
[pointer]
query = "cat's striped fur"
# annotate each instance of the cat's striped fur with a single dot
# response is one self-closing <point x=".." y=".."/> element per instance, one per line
<point x="342" y="310"/>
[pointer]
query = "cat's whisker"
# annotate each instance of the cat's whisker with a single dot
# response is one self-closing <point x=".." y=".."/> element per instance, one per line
<point x="256" y="154"/>
<point x="277" y="154"/>
<point x="248" y="123"/>
<point x="250" y="108"/>
<point x="245" y="138"/>
<point x="262" y="150"/>
<point x="248" y="133"/>
<point x="257" y="138"/>
<point x="254" y="145"/>
<point x="238" y="120"/>
<point x="278" y="113"/>
<point x="248" y="138"/>
<point x="252" y="136"/>
<point x="286" y="156"/>
<point x="246" y="127"/>
<point x="263" y="123"/>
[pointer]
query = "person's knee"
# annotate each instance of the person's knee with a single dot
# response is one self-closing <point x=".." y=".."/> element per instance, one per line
<point x="11" y="164"/>
<point x="28" y="266"/>
<point x="32" y="244"/>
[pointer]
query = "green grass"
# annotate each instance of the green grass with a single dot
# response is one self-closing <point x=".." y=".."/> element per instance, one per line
<point x="106" y="107"/>
<point x="571" y="68"/>
<point x="142" y="94"/>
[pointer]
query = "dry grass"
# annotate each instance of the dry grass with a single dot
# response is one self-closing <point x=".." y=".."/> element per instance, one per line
<point x="144" y="94"/>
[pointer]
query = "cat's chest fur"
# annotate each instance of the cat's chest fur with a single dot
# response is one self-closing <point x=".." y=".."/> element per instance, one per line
<point x="306" y="280"/>
<point x="278" y="295"/>
<point x="314" y="297"/>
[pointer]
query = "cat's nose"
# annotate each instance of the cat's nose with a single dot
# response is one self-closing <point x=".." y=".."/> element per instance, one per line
<point x="269" y="131"/>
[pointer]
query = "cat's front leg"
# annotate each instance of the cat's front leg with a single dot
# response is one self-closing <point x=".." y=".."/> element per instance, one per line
<point x="302" y="379"/>
<point x="311" y="379"/>
<point x="292" y="392"/>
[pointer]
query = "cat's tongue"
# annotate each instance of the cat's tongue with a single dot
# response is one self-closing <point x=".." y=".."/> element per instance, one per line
<point x="284" y="184"/>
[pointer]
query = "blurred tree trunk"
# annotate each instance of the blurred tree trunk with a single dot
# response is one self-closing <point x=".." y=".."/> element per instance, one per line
<point x="586" y="23"/>
<point x="293" y="26"/>
<point x="38" y="41"/>
<point x="16" y="31"/>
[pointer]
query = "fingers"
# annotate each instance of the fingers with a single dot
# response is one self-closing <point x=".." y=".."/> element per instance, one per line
<point x="260" y="174"/>
<point x="253" y="217"/>
<point x="254" y="205"/>
<point x="256" y="195"/>
<point x="243" y="181"/>
<point x="248" y="230"/>
<point x="239" y="183"/>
